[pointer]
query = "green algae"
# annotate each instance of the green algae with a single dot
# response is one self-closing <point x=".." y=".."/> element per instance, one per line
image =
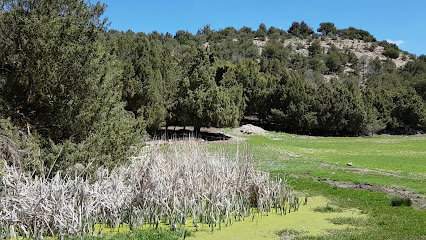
<point x="305" y="220"/>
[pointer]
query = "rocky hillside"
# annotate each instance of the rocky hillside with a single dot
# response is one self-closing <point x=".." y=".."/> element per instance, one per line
<point x="364" y="51"/>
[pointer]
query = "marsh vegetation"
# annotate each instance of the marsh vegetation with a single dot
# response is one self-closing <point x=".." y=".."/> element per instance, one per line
<point x="170" y="185"/>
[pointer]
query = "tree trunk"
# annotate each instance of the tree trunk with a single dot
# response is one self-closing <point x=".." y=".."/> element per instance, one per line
<point x="197" y="131"/>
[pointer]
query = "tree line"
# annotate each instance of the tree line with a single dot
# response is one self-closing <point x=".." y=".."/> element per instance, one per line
<point x="73" y="91"/>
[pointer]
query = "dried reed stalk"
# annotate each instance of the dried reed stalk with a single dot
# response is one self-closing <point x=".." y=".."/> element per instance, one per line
<point x="167" y="183"/>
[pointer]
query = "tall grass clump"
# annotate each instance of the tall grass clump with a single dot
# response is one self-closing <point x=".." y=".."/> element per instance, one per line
<point x="397" y="201"/>
<point x="173" y="185"/>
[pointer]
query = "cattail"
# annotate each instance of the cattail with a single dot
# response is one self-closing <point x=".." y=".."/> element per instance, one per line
<point x="164" y="184"/>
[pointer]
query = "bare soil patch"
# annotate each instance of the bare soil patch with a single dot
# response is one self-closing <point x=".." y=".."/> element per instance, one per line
<point x="369" y="171"/>
<point x="249" y="129"/>
<point x="357" y="170"/>
<point x="418" y="200"/>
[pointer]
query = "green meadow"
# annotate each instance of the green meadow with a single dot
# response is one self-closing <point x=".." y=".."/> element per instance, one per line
<point x="388" y="161"/>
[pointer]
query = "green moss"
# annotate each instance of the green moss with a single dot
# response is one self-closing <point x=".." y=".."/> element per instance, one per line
<point x="381" y="222"/>
<point x="353" y="221"/>
<point x="306" y="221"/>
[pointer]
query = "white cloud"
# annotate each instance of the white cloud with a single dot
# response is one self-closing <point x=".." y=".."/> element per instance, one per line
<point x="397" y="43"/>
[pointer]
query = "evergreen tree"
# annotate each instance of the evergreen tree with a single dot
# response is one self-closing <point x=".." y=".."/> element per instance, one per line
<point x="292" y="108"/>
<point x="276" y="33"/>
<point x="315" y="48"/>
<point x="262" y="31"/>
<point x="256" y="88"/>
<point x="208" y="96"/>
<point x="300" y="29"/>
<point x="340" y="109"/>
<point x="409" y="111"/>
<point x="59" y="80"/>
<point x="335" y="60"/>
<point x="327" y="28"/>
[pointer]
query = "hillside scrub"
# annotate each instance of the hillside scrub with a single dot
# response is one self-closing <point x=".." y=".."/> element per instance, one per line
<point x="168" y="184"/>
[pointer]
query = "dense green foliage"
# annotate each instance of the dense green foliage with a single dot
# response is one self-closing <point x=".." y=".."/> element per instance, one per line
<point x="327" y="28"/>
<point x="86" y="93"/>
<point x="392" y="53"/>
<point x="59" y="82"/>
<point x="353" y="33"/>
<point x="214" y="78"/>
<point x="400" y="201"/>
<point x="300" y="29"/>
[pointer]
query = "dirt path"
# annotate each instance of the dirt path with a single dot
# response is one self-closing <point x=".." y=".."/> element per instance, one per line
<point x="357" y="170"/>
<point x="418" y="200"/>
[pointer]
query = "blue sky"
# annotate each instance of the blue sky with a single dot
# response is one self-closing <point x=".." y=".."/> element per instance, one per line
<point x="399" y="21"/>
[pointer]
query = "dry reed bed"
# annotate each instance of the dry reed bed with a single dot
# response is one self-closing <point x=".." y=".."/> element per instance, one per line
<point x="168" y="184"/>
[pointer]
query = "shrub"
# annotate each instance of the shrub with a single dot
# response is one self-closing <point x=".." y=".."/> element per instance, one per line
<point x="353" y="33"/>
<point x="391" y="53"/>
<point x="290" y="233"/>
<point x="397" y="201"/>
<point x="315" y="48"/>
<point x="373" y="47"/>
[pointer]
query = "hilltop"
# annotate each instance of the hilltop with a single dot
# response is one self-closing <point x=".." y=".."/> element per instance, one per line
<point x="357" y="47"/>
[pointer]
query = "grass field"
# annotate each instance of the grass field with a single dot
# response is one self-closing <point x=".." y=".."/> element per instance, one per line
<point x="389" y="161"/>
